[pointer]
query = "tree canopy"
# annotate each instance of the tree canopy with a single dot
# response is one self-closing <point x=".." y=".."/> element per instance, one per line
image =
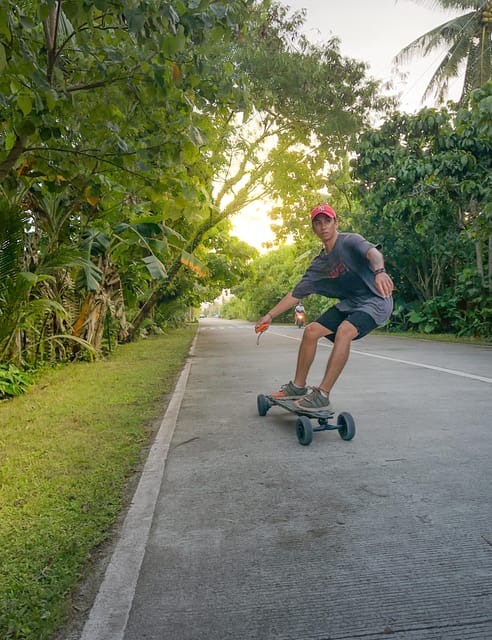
<point x="130" y="132"/>
<point x="467" y="40"/>
<point x="420" y="186"/>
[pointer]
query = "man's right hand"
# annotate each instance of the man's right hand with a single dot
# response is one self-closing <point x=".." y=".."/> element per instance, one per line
<point x="263" y="323"/>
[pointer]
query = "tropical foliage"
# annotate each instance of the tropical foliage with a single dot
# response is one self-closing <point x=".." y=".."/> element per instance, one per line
<point x="13" y="382"/>
<point x="420" y="185"/>
<point x="129" y="134"/>
<point x="104" y="109"/>
<point x="426" y="192"/>
<point x="467" y="41"/>
<point x="279" y="146"/>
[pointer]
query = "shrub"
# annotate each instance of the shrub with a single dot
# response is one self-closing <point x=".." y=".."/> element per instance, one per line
<point x="13" y="381"/>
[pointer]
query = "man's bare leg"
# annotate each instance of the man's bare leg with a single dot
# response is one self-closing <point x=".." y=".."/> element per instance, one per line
<point x="346" y="332"/>
<point x="307" y="350"/>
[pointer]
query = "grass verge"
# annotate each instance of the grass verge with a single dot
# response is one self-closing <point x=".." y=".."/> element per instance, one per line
<point x="436" y="337"/>
<point x="67" y="450"/>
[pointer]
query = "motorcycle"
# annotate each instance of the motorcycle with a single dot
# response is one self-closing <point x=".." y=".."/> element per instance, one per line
<point x="299" y="319"/>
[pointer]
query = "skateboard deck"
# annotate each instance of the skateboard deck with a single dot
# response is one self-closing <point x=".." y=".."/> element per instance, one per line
<point x="291" y="406"/>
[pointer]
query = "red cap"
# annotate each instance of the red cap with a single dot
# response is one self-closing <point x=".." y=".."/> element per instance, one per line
<point x="325" y="209"/>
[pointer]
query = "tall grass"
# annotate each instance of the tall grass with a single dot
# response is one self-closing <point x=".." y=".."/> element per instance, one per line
<point x="67" y="450"/>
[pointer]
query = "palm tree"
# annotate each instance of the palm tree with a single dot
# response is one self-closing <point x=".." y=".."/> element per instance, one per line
<point x="467" y="39"/>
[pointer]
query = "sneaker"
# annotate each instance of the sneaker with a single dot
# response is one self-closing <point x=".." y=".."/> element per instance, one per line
<point x="289" y="391"/>
<point x="314" y="401"/>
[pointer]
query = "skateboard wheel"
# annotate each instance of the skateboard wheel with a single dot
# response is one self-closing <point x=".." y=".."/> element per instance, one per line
<point x="263" y="404"/>
<point x="346" y="426"/>
<point x="304" y="430"/>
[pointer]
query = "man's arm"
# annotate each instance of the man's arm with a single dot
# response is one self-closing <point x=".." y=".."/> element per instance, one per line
<point x="285" y="304"/>
<point x="384" y="283"/>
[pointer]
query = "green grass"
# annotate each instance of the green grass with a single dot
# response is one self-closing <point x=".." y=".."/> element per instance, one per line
<point x="67" y="451"/>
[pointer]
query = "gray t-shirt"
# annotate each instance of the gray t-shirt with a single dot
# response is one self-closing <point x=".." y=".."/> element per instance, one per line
<point x="344" y="273"/>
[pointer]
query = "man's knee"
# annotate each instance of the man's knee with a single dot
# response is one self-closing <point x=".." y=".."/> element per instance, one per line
<point x="315" y="331"/>
<point x="346" y="332"/>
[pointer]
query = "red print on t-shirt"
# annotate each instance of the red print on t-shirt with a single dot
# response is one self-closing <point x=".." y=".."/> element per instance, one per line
<point x="338" y="270"/>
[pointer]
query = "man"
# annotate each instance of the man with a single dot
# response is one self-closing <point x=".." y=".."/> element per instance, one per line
<point x="348" y="268"/>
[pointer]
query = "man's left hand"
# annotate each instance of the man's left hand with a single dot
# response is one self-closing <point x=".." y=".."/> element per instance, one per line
<point x="384" y="284"/>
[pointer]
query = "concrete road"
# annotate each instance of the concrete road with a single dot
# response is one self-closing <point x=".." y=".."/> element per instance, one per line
<point x="254" y="536"/>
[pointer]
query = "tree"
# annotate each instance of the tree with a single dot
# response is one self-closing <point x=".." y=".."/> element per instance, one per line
<point x="59" y="58"/>
<point x="271" y="276"/>
<point x="142" y="116"/>
<point x="416" y="176"/>
<point x="467" y="39"/>
<point x="310" y="104"/>
<point x="104" y="106"/>
<point x="307" y="104"/>
<point x="474" y="129"/>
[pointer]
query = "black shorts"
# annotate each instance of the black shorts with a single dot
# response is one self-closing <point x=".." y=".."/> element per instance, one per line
<point x="333" y="318"/>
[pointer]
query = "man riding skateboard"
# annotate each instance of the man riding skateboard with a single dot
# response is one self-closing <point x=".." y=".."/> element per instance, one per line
<point x="351" y="269"/>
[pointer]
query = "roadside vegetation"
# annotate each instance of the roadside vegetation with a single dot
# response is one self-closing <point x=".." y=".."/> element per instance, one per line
<point x="420" y="186"/>
<point x="131" y="134"/>
<point x="68" y="449"/>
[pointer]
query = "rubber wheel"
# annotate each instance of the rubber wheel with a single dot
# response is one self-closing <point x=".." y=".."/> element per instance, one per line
<point x="346" y="426"/>
<point x="263" y="404"/>
<point x="304" y="430"/>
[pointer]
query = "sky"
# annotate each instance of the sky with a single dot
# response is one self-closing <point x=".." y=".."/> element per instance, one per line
<point x="373" y="31"/>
